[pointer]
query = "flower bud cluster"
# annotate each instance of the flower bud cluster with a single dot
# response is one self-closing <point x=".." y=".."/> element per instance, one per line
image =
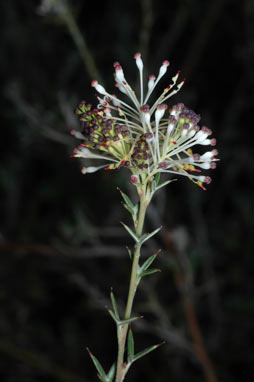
<point x="100" y="133"/>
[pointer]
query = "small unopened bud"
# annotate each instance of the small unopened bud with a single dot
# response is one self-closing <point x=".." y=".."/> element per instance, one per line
<point x="208" y="180"/>
<point x="160" y="112"/>
<point x="119" y="74"/>
<point x="139" y="61"/>
<point x="205" y="179"/>
<point x="151" y="81"/>
<point x="148" y="136"/>
<point x="134" y="179"/>
<point x="196" y="156"/>
<point x="163" y="68"/>
<point x="100" y="89"/>
<point x="163" y="165"/>
<point x="145" y="108"/>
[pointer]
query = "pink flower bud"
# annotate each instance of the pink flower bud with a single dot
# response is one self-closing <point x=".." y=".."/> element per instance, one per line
<point x="134" y="179"/>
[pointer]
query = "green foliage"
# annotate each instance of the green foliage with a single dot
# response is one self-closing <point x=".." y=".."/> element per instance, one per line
<point x="144" y="269"/>
<point x="113" y="300"/>
<point x="145" y="352"/>
<point x="130" y="207"/>
<point x="129" y="230"/>
<point x="111" y="373"/>
<point x="101" y="373"/>
<point x="130" y="344"/>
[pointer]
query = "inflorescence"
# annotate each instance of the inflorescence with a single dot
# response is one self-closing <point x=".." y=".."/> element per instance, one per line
<point x="138" y="136"/>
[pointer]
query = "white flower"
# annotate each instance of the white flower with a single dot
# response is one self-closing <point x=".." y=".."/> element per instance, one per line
<point x="144" y="137"/>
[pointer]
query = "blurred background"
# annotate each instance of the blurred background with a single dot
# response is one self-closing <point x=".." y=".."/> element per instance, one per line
<point x="61" y="243"/>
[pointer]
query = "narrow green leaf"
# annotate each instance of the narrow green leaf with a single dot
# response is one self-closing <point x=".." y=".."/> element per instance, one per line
<point x="148" y="262"/>
<point x="165" y="183"/>
<point x="130" y="345"/>
<point x="127" y="199"/>
<point x="113" y="300"/>
<point x="129" y="320"/>
<point x="153" y="189"/>
<point x="157" y="178"/>
<point x="148" y="272"/>
<point x="111" y="373"/>
<point x="146" y="351"/>
<point x="98" y="366"/>
<point x="130" y="232"/>
<point x="129" y="252"/>
<point x="112" y="314"/>
<point x="135" y="211"/>
<point x="128" y="209"/>
<point x="147" y="236"/>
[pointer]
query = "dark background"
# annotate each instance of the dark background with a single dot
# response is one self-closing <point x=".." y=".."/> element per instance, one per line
<point x="62" y="246"/>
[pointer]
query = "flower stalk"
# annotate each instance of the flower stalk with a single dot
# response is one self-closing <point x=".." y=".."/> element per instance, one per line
<point x="121" y="366"/>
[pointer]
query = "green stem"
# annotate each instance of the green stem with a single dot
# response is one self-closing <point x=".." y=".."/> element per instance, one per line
<point x="122" y="333"/>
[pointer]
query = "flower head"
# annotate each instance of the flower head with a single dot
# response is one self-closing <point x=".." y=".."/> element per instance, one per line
<point x="146" y="138"/>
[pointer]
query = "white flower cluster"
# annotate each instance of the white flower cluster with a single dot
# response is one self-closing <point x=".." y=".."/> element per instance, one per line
<point x="137" y="135"/>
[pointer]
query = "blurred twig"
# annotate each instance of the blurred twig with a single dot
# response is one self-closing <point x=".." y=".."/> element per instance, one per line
<point x="163" y="326"/>
<point x="38" y="361"/>
<point x="80" y="42"/>
<point x="180" y="277"/>
<point x="184" y="280"/>
<point x="64" y="250"/>
<point x="34" y="116"/>
<point x="165" y="332"/>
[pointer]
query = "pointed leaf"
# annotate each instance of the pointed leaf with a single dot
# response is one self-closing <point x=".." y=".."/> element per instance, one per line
<point x="112" y="314"/>
<point x="113" y="300"/>
<point x="165" y="183"/>
<point x="111" y="373"/>
<point x="129" y="320"/>
<point x="127" y="200"/>
<point x="130" y="232"/>
<point x="98" y="366"/>
<point x="130" y="345"/>
<point x="127" y="208"/>
<point x="129" y="252"/>
<point x="147" y="236"/>
<point x="149" y="261"/>
<point x="134" y="214"/>
<point x="157" y="178"/>
<point x="153" y="189"/>
<point x="149" y="272"/>
<point x="146" y="351"/>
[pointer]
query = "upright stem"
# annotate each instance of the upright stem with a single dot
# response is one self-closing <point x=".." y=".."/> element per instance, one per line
<point x="121" y="366"/>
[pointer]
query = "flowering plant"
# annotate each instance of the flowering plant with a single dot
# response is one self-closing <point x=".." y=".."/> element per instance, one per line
<point x="138" y="136"/>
